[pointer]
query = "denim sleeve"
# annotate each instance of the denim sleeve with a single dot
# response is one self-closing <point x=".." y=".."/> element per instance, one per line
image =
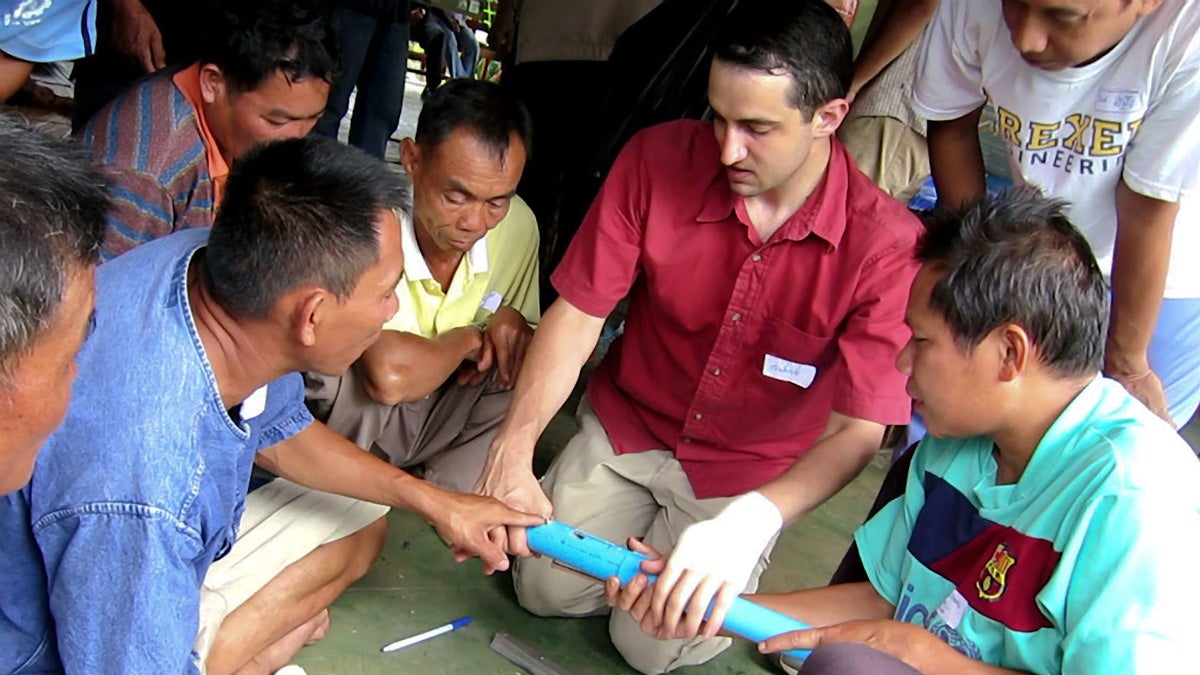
<point x="123" y="588"/>
<point x="285" y="414"/>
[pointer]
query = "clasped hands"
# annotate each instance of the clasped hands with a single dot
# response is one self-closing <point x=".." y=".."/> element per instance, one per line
<point x="503" y="342"/>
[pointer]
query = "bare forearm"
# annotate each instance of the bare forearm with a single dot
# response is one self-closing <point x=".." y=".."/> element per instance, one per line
<point x="321" y="459"/>
<point x="830" y="604"/>
<point x="1139" y="273"/>
<point x="564" y="340"/>
<point x="402" y="367"/>
<point x="825" y="469"/>
<point x="904" y="22"/>
<point x="956" y="159"/>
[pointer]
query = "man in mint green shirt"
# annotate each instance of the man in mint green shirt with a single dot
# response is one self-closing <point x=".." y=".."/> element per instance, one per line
<point x="1050" y="522"/>
<point x="435" y="386"/>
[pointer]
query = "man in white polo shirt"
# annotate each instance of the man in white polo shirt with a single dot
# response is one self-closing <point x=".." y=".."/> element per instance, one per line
<point x="1099" y="103"/>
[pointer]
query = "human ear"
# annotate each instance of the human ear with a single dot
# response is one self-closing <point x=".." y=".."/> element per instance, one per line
<point x="410" y="157"/>
<point x="311" y="310"/>
<point x="212" y="83"/>
<point x="1014" y="345"/>
<point x="828" y="117"/>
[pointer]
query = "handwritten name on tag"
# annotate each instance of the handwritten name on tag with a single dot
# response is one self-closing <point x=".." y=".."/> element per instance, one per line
<point x="799" y="374"/>
<point x="491" y="301"/>
<point x="1112" y="100"/>
<point x="952" y="609"/>
<point x="255" y="404"/>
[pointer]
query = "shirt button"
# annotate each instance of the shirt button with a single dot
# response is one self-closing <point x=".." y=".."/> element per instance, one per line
<point x="756" y="257"/>
<point x="716" y="371"/>
<point x="737" y="316"/>
<point x="686" y="439"/>
<point x="699" y="416"/>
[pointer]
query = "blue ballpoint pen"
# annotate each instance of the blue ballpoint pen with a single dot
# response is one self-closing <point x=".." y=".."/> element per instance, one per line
<point x="440" y="630"/>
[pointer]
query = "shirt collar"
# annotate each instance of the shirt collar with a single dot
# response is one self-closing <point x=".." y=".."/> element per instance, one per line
<point x="415" y="267"/>
<point x="823" y="214"/>
<point x="1054" y="448"/>
<point x="188" y="82"/>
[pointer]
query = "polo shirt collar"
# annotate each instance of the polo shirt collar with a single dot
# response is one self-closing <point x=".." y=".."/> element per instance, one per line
<point x="188" y="83"/>
<point x="415" y="267"/>
<point x="824" y="213"/>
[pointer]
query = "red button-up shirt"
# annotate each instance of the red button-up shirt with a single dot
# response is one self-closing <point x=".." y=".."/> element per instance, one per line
<point x="712" y="307"/>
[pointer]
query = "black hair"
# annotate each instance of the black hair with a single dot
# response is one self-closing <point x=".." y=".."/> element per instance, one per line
<point x="295" y="212"/>
<point x="490" y="111"/>
<point x="1015" y="258"/>
<point x="52" y="221"/>
<point x="250" y="39"/>
<point x="805" y="38"/>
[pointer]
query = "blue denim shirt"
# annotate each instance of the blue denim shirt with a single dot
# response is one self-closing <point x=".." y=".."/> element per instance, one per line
<point x="103" y="553"/>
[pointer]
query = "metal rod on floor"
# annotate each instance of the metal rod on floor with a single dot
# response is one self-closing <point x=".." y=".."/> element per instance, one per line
<point x="525" y="656"/>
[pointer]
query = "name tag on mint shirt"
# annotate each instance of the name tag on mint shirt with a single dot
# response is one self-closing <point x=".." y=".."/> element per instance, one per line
<point x="799" y="374"/>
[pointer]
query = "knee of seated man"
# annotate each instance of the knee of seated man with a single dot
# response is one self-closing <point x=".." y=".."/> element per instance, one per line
<point x="545" y="591"/>
<point x="370" y="542"/>
<point x="647" y="654"/>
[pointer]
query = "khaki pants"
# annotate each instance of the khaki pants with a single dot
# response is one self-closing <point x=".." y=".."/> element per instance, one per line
<point x="448" y="431"/>
<point x="889" y="152"/>
<point x="643" y="494"/>
<point x="282" y="523"/>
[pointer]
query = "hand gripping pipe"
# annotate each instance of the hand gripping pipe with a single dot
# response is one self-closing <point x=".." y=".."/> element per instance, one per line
<point x="601" y="559"/>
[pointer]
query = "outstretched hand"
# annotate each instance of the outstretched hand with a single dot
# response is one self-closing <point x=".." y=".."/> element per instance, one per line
<point x="907" y="642"/>
<point x="465" y="522"/>
<point x="518" y="488"/>
<point x="711" y="565"/>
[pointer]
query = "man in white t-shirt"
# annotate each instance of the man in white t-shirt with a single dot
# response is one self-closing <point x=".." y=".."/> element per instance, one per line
<point x="1099" y="103"/>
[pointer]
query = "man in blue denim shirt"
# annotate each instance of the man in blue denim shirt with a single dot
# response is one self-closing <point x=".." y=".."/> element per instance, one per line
<point x="189" y="377"/>
<point x="48" y="257"/>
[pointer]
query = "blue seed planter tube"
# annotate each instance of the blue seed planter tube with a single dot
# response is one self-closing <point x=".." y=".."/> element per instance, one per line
<point x="602" y="559"/>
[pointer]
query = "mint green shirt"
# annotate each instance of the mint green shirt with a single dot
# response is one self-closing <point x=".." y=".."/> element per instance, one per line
<point x="1090" y="563"/>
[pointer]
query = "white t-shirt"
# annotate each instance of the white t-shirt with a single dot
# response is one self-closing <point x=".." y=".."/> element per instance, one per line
<point x="1135" y="113"/>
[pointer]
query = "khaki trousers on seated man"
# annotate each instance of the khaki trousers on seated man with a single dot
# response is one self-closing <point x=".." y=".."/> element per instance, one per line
<point x="448" y="431"/>
<point x="611" y="495"/>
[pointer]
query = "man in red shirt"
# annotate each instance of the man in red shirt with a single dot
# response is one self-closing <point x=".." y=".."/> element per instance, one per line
<point x="767" y="279"/>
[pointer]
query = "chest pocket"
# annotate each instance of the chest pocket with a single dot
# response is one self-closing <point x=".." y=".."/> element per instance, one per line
<point x="795" y="346"/>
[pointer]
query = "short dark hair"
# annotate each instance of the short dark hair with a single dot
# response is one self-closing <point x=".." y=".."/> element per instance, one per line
<point x="250" y="39"/>
<point x="1015" y="258"/>
<point x="805" y="38"/>
<point x="490" y="111"/>
<point x="52" y="209"/>
<point x="295" y="212"/>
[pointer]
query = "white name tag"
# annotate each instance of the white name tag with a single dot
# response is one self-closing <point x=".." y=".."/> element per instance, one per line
<point x="799" y="374"/>
<point x="1111" y="100"/>
<point x="255" y="404"/>
<point x="952" y="609"/>
<point x="491" y="302"/>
